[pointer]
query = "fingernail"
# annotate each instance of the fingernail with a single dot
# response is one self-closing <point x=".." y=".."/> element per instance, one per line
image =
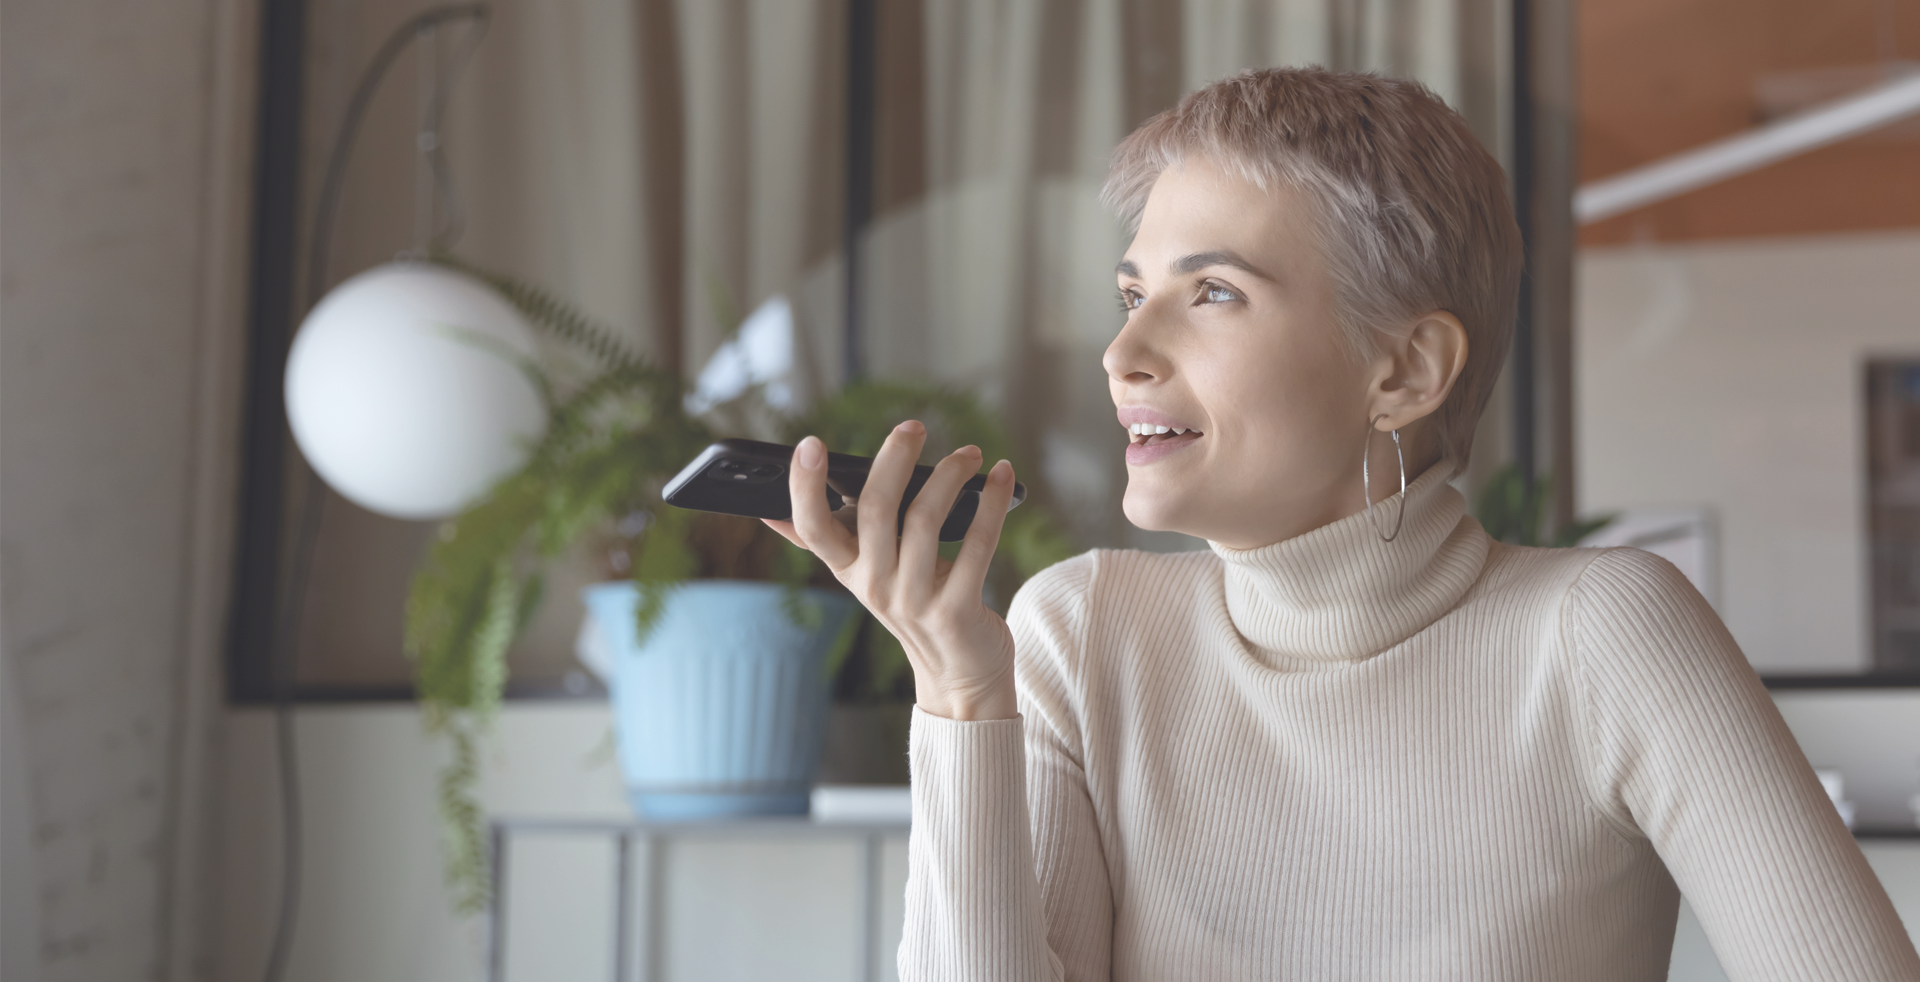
<point x="812" y="451"/>
<point x="1002" y="472"/>
<point x="970" y="450"/>
<point x="909" y="426"/>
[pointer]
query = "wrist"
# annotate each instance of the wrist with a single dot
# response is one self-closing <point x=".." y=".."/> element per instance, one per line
<point x="966" y="704"/>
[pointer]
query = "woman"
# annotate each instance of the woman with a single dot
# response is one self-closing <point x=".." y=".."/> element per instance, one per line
<point x="1355" y="738"/>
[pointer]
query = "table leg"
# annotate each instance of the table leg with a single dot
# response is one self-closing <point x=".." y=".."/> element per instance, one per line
<point x="497" y="906"/>
<point x="654" y="922"/>
<point x="622" y="907"/>
<point x="870" y="907"/>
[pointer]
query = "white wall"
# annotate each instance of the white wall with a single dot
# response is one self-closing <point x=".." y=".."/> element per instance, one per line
<point x="121" y="197"/>
<point x="1729" y="375"/>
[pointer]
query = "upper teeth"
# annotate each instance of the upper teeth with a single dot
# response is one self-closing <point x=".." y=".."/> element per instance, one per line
<point x="1150" y="429"/>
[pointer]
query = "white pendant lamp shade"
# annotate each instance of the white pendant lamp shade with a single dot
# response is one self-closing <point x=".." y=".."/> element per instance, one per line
<point x="408" y="390"/>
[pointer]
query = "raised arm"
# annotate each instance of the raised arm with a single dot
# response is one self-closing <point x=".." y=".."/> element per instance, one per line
<point x="1689" y="750"/>
<point x="1006" y="877"/>
<point x="976" y="909"/>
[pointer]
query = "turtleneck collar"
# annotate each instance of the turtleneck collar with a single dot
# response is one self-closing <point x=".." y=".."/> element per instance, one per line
<point x="1340" y="594"/>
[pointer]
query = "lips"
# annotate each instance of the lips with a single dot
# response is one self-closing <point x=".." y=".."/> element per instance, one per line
<point x="1154" y="434"/>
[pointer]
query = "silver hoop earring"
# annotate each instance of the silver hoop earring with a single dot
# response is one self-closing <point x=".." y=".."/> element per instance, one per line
<point x="1366" y="481"/>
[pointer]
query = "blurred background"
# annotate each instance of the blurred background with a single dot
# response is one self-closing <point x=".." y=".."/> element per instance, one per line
<point x="1719" y="351"/>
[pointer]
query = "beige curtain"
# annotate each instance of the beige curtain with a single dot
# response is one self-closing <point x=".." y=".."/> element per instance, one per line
<point x="670" y="165"/>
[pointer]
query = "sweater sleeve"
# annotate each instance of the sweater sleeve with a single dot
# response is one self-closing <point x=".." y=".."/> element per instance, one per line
<point x="1689" y="751"/>
<point x="1005" y="875"/>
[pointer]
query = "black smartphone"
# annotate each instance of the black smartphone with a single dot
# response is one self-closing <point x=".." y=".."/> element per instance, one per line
<point x="748" y="477"/>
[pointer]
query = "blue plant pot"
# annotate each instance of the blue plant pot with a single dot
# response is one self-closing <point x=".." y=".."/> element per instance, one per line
<point x="721" y="713"/>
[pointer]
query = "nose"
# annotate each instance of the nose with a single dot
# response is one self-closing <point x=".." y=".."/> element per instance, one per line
<point x="1133" y="356"/>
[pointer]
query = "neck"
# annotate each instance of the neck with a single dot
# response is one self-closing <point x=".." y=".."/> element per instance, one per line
<point x="1339" y="593"/>
<point x="1338" y="502"/>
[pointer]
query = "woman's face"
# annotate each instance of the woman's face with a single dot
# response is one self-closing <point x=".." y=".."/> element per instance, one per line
<point x="1230" y="337"/>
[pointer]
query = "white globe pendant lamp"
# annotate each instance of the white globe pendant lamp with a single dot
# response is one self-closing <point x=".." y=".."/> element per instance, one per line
<point x="410" y="390"/>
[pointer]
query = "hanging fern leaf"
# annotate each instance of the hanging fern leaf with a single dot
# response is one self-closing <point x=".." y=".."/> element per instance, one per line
<point x="663" y="562"/>
<point x="479" y="584"/>
<point x="1511" y="509"/>
<point x="792" y="568"/>
<point x="1031" y="541"/>
<point x="463" y="824"/>
<point x="887" y="660"/>
<point x="555" y="316"/>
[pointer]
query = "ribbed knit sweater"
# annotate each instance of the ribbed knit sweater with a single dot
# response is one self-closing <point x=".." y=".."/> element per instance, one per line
<point x="1341" y="758"/>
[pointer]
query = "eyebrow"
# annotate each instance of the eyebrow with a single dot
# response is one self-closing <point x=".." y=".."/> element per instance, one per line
<point x="1194" y="262"/>
<point x="1198" y="261"/>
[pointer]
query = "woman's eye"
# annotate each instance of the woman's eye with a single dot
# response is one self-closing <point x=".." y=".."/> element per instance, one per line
<point x="1130" y="300"/>
<point x="1220" y="294"/>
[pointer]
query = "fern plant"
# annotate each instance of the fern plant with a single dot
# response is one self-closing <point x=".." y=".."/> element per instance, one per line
<point x="1511" y="511"/>
<point x="613" y="440"/>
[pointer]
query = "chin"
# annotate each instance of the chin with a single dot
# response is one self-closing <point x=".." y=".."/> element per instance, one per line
<point x="1149" y="512"/>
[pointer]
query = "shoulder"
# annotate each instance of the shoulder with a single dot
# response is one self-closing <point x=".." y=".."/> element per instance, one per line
<point x="1548" y="573"/>
<point x="1615" y="611"/>
<point x="1587" y="582"/>
<point x="1596" y="592"/>
<point x="1098" y="574"/>
<point x="1631" y="617"/>
<point x="1065" y="580"/>
<point x="1624" y="586"/>
<point x="1052" y="609"/>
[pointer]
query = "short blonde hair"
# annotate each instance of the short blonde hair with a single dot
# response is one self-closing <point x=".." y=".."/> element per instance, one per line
<point x="1411" y="212"/>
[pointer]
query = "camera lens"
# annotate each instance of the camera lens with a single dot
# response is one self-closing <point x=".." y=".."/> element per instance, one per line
<point x="767" y="470"/>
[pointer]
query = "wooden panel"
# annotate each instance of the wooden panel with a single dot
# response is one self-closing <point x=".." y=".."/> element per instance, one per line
<point x="1661" y="76"/>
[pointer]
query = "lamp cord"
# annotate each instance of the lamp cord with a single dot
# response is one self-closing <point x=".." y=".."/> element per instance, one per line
<point x="284" y="644"/>
<point x="334" y="178"/>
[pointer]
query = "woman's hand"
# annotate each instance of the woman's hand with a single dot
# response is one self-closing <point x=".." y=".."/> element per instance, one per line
<point x="962" y="652"/>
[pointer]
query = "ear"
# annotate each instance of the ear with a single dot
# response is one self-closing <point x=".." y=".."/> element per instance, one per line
<point x="1416" y="370"/>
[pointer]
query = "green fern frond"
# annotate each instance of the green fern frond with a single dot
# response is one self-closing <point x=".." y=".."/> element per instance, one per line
<point x="887" y="659"/>
<point x="464" y="824"/>
<point x="800" y="610"/>
<point x="793" y="567"/>
<point x="843" y="643"/>
<point x="549" y="312"/>
<point x="1032" y="541"/>
<point x="857" y="418"/>
<point x="533" y="592"/>
<point x="664" y="560"/>
<point x="479" y="583"/>
<point x="1511" y="511"/>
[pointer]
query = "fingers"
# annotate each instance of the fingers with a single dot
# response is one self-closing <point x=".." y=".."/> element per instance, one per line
<point x="807" y="482"/>
<point x="920" y="539"/>
<point x="879" y="511"/>
<point x="786" y="530"/>
<point x="983" y="536"/>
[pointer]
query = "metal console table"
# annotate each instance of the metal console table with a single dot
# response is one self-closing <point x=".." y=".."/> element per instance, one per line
<point x="650" y="838"/>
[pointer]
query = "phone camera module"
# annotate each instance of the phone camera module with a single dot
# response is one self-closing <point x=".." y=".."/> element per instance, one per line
<point x="744" y="471"/>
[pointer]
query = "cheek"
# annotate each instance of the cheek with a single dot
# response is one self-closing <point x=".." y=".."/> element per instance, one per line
<point x="1281" y="396"/>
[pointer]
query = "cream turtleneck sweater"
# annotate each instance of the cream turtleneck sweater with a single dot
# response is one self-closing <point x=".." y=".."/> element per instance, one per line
<point x="1340" y="758"/>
